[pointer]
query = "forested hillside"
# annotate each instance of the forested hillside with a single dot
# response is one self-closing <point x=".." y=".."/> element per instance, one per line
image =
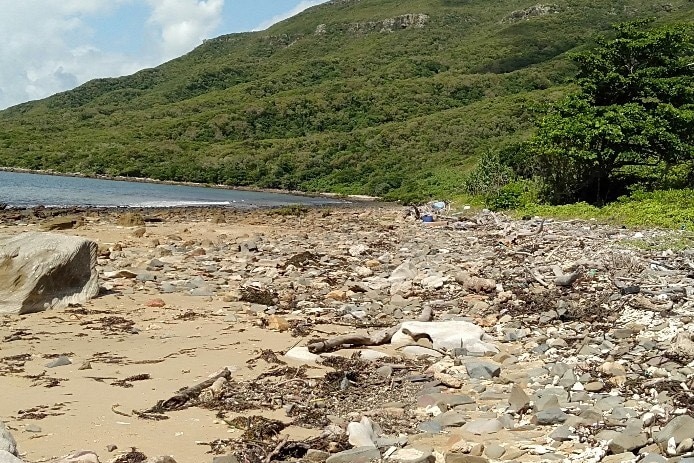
<point x="383" y="97"/>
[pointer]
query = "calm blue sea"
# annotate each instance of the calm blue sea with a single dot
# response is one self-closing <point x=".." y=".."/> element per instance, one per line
<point x="25" y="190"/>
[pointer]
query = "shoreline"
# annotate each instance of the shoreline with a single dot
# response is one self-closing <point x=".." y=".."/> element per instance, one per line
<point x="118" y="178"/>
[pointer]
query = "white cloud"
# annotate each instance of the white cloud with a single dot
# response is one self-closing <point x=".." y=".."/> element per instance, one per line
<point x="48" y="45"/>
<point x="183" y="24"/>
<point x="304" y="4"/>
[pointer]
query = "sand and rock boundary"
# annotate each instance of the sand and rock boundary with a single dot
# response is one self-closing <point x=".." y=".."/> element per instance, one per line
<point x="356" y="334"/>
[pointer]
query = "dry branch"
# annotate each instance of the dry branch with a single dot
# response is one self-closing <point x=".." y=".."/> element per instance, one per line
<point x="359" y="340"/>
<point x="179" y="401"/>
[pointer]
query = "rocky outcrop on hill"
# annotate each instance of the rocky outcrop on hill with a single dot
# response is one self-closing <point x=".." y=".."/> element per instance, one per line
<point x="405" y="21"/>
<point x="531" y="12"/>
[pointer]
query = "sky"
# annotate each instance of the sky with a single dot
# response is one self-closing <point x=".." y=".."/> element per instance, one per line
<point x="48" y="46"/>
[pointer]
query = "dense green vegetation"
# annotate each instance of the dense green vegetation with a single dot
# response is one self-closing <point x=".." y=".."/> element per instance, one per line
<point x="398" y="98"/>
<point x="629" y="127"/>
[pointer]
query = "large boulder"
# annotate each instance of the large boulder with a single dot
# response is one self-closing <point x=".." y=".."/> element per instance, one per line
<point x="7" y="442"/>
<point x="40" y="271"/>
<point x="7" y="457"/>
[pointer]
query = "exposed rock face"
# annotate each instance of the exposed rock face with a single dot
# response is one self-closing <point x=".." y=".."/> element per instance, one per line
<point x="406" y="21"/>
<point x="40" y="271"/>
<point x="533" y="11"/>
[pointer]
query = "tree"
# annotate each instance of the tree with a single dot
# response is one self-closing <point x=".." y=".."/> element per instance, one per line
<point x="630" y="122"/>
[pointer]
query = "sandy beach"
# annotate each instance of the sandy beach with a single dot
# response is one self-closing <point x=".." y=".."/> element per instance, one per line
<point x="178" y="345"/>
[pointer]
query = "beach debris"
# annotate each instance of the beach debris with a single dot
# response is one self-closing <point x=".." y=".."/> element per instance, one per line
<point x="133" y="456"/>
<point x="127" y="382"/>
<point x="536" y="340"/>
<point x="40" y="271"/>
<point x="182" y="399"/>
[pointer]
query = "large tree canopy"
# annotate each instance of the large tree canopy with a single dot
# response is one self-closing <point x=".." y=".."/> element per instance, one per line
<point x="631" y="121"/>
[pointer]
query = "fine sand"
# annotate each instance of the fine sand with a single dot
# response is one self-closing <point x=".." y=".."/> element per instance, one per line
<point x="174" y="349"/>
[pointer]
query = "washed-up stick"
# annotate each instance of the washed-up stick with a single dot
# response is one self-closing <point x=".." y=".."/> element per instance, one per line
<point x="537" y="278"/>
<point x="358" y="340"/>
<point x="277" y="449"/>
<point x="180" y="400"/>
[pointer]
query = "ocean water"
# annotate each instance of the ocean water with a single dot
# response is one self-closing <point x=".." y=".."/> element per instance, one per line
<point x="28" y="190"/>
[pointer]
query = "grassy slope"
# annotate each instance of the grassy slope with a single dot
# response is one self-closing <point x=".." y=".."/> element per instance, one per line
<point x="400" y="113"/>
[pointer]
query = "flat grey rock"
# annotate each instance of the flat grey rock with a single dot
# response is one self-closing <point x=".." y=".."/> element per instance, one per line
<point x="356" y="455"/>
<point x="411" y="455"/>
<point x="627" y="442"/>
<point x="680" y="427"/>
<point x="59" y="362"/>
<point x="551" y="416"/>
<point x="482" y="369"/>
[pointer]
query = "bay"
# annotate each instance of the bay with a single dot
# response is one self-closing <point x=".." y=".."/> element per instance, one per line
<point x="29" y="189"/>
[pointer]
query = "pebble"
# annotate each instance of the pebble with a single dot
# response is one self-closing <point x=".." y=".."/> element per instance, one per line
<point x="411" y="455"/>
<point x="59" y="362"/>
<point x="553" y="415"/>
<point x="225" y="459"/>
<point x="483" y="426"/>
<point x="480" y="369"/>
<point x="355" y="455"/>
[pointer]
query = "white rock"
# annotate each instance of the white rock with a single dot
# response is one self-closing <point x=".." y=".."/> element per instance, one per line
<point x="404" y="271"/>
<point x="446" y="335"/>
<point x="301" y="354"/>
<point x="483" y="426"/>
<point x="358" y="250"/>
<point x="671" y="447"/>
<point x="361" y="434"/>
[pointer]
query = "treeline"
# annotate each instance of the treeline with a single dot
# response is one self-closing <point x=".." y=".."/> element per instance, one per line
<point x="629" y="128"/>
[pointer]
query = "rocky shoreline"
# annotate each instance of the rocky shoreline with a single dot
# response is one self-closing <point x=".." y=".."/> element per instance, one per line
<point x="357" y="334"/>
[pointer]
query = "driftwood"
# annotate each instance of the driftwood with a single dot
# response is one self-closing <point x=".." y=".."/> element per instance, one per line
<point x="358" y="340"/>
<point x="536" y="277"/>
<point x="277" y="449"/>
<point x="568" y="279"/>
<point x="180" y="400"/>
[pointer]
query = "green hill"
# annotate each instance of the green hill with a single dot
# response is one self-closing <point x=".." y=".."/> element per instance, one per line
<point x="383" y="97"/>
